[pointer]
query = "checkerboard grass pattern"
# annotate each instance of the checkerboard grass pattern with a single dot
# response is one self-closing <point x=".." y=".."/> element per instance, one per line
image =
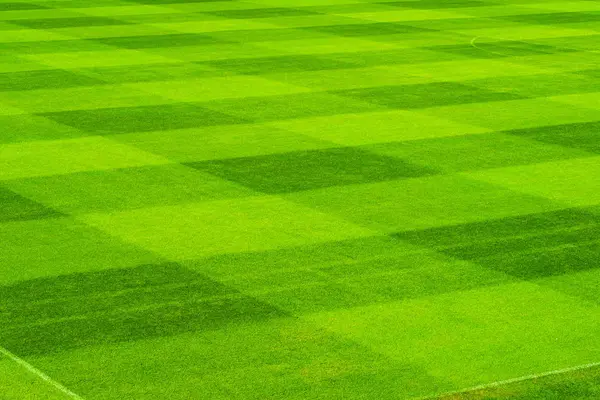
<point x="318" y="199"/>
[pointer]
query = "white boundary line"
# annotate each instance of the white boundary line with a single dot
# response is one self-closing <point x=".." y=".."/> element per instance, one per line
<point x="39" y="374"/>
<point x="484" y="50"/>
<point x="512" y="380"/>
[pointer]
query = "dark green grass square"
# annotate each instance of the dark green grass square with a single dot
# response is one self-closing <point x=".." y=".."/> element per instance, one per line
<point x="305" y="170"/>
<point x="589" y="42"/>
<point x="465" y="50"/>
<point x="280" y="261"/>
<point x="371" y="29"/>
<point x="543" y="262"/>
<point x="278" y="64"/>
<point x="318" y="298"/>
<point x="271" y="12"/>
<point x="26" y="127"/>
<point x="391" y="57"/>
<point x="126" y="189"/>
<point x="179" y="1"/>
<point x="150" y="72"/>
<point x="590" y="73"/>
<point x="14" y="207"/>
<point x="49" y="315"/>
<point x="96" y="283"/>
<point x="554" y="18"/>
<point x="585" y="135"/>
<point x="282" y="107"/>
<point x="457" y="24"/>
<point x="159" y="41"/>
<point x="81" y="3"/>
<point x="519" y="48"/>
<point x="65" y="296"/>
<point x="267" y="35"/>
<point x="436" y="4"/>
<point x="515" y="48"/>
<point x="526" y="225"/>
<point x="426" y="95"/>
<point x="142" y="118"/>
<point x="483" y="48"/>
<point x="72" y="22"/>
<point x="51" y="46"/>
<point x="21" y="7"/>
<point x="542" y="85"/>
<point x="526" y="247"/>
<point x="43" y="79"/>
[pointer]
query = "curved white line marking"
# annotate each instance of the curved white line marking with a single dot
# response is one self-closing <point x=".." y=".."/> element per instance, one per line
<point x="487" y="51"/>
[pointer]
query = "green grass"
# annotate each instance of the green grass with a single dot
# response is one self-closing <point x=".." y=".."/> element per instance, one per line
<point x="330" y="199"/>
<point x="571" y="385"/>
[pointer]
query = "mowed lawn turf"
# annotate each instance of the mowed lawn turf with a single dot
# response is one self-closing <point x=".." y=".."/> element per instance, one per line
<point x="294" y="200"/>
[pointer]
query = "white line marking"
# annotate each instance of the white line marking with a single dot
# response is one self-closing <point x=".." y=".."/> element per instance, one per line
<point x="487" y="51"/>
<point x="514" y="380"/>
<point x="39" y="374"/>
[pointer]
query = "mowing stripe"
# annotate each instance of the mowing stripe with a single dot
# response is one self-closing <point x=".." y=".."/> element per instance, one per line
<point x="39" y="374"/>
<point x="512" y="380"/>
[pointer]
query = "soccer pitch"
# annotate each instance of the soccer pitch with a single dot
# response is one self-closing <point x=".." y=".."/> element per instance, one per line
<point x="295" y="200"/>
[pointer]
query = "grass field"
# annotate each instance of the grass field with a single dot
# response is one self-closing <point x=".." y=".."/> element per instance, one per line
<point x="309" y="199"/>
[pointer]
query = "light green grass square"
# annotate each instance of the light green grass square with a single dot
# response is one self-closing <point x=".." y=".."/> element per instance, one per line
<point x="212" y="52"/>
<point x="378" y="127"/>
<point x="587" y="100"/>
<point x="327" y="45"/>
<point x="228" y="226"/>
<point x="51" y="157"/>
<point x="474" y="152"/>
<point x="573" y="182"/>
<point x="312" y="20"/>
<point x="216" y="88"/>
<point x="125" y="188"/>
<point x="125" y="10"/>
<point x="406" y="15"/>
<point x="219" y="142"/>
<point x="86" y="59"/>
<point x="8" y="15"/>
<point x="6" y="110"/>
<point x="30" y="35"/>
<point x="349" y="78"/>
<point x="567" y="6"/>
<point x="280" y="359"/>
<point x="18" y="383"/>
<point x="24" y="127"/>
<point x="62" y="246"/>
<point x="212" y="25"/>
<point x="80" y="98"/>
<point x="93" y="32"/>
<point x="422" y="202"/>
<point x="493" y="334"/>
<point x="583" y="285"/>
<point x="586" y="58"/>
<point x="515" y="114"/>
<point x="465" y="70"/>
